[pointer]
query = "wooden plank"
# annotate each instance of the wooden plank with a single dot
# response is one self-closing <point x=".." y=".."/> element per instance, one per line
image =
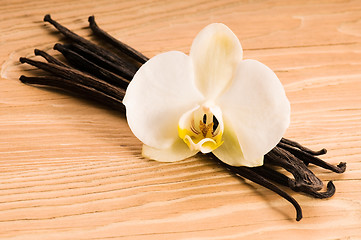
<point x="71" y="169"/>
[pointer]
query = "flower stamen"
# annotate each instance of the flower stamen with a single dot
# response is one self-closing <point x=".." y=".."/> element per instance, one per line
<point x="198" y="132"/>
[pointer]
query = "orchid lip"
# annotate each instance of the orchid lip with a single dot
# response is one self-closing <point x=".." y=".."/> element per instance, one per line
<point x="201" y="128"/>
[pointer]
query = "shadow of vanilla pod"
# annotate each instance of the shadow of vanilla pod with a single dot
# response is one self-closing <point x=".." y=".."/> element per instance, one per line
<point x="211" y="101"/>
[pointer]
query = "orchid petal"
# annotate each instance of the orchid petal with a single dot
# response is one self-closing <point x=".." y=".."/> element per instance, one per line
<point x="231" y="153"/>
<point x="177" y="151"/>
<point x="160" y="92"/>
<point x="215" y="51"/>
<point x="257" y="108"/>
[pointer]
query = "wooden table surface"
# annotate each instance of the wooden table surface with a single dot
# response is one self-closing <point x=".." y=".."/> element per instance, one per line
<point x="72" y="169"/>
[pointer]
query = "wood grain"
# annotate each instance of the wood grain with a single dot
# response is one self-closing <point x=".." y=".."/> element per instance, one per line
<point x="71" y="169"/>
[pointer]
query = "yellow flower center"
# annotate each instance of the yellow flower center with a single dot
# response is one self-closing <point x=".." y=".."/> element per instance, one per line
<point x="201" y="129"/>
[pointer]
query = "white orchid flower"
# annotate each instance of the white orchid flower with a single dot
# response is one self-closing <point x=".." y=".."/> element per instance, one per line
<point x="209" y="101"/>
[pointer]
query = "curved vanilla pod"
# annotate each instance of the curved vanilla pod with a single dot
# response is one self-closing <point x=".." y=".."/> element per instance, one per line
<point x="248" y="173"/>
<point x="138" y="56"/>
<point x="123" y="66"/>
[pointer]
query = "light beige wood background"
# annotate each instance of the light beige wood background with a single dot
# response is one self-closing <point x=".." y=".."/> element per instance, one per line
<point x="71" y="169"/>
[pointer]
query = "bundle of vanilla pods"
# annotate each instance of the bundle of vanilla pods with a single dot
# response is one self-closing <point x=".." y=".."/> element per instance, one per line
<point x="96" y="73"/>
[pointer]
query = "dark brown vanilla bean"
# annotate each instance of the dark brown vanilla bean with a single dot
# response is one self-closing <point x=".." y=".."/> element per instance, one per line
<point x="84" y="64"/>
<point x="91" y="46"/>
<point x="303" y="176"/>
<point x="275" y="176"/>
<point x="306" y="157"/>
<point x="100" y="61"/>
<point x="302" y="148"/>
<point x="255" y="177"/>
<point x="115" y="42"/>
<point x="279" y="178"/>
<point x="93" y="74"/>
<point x="75" y="88"/>
<point x="76" y="75"/>
<point x="329" y="192"/>
<point x="49" y="58"/>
